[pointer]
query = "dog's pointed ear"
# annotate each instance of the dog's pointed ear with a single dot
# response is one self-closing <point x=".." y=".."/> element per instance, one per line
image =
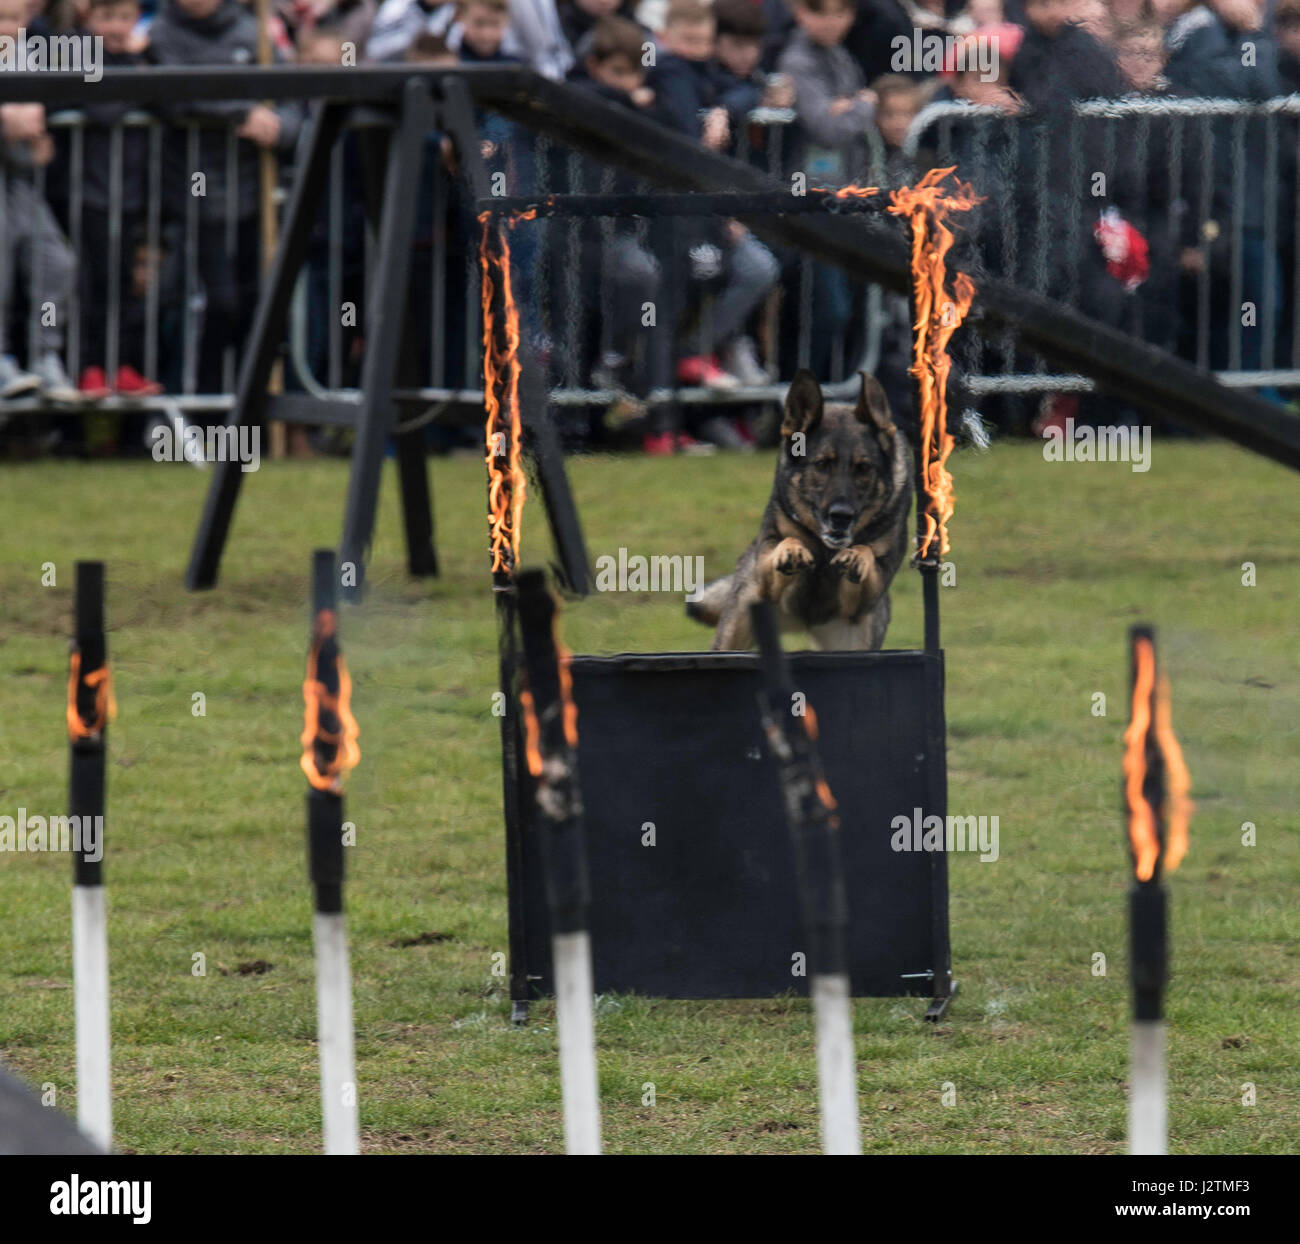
<point x="803" y="404"/>
<point x="873" y="409"/>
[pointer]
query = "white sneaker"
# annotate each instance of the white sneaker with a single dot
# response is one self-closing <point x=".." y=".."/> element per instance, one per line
<point x="741" y="359"/>
<point x="14" y="382"/>
<point x="55" y="383"/>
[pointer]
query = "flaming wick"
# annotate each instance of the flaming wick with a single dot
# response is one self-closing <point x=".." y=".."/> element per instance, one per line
<point x="337" y="747"/>
<point x="938" y="316"/>
<point x="105" y="703"/>
<point x="503" y="432"/>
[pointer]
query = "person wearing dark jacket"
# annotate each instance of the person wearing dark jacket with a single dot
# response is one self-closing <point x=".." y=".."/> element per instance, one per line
<point x="112" y="21"/>
<point x="36" y="256"/>
<point x="579" y="17"/>
<point x="609" y="67"/>
<point x="1205" y="43"/>
<point x="219" y="32"/>
<point x="1059" y="63"/>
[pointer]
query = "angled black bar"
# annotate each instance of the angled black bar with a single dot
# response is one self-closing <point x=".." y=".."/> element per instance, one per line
<point x="263" y="340"/>
<point x="385" y="316"/>
<point x="412" y="466"/>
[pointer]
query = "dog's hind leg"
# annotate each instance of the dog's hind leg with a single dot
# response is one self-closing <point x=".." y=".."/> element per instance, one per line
<point x="734" y="633"/>
<point x="708" y="606"/>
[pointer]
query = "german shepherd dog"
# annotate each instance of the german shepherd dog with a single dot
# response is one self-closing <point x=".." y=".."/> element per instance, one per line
<point x="835" y="529"/>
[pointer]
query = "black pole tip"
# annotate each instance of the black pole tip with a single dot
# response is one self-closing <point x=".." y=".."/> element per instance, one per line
<point x="89" y="607"/>
<point x="324" y="581"/>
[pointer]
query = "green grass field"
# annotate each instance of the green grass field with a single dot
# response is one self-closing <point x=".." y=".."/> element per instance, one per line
<point x="1053" y="562"/>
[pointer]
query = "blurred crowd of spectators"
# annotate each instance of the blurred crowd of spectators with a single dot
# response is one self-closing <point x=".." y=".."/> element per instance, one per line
<point x="858" y="75"/>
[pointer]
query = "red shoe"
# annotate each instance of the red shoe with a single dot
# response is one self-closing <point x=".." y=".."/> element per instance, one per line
<point x="658" y="444"/>
<point x="94" y="384"/>
<point x="131" y="384"/>
<point x="697" y="369"/>
<point x="1053" y="412"/>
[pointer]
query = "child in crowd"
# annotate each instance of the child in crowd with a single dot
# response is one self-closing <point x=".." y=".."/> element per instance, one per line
<point x="578" y="18"/>
<point x="35" y="249"/>
<point x="898" y="101"/>
<point x="1140" y="52"/>
<point x="219" y="32"/>
<point x="1060" y="62"/>
<point x="835" y="108"/>
<point x="113" y="21"/>
<point x="631" y="356"/>
<point x="743" y="87"/>
<point x="687" y="83"/>
<point x="483" y="26"/>
<point x="685" y="78"/>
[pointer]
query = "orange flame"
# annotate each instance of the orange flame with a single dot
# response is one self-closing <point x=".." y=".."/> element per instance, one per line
<point x="532" y="733"/>
<point x="503" y="431"/>
<point x="105" y="704"/>
<point x="1177" y="807"/>
<point x="565" y="658"/>
<point x="811" y="728"/>
<point x="1141" y="818"/>
<point x="856" y="192"/>
<point x="532" y="728"/>
<point x="938" y="316"/>
<point x="318" y="700"/>
<point x="1179" y="780"/>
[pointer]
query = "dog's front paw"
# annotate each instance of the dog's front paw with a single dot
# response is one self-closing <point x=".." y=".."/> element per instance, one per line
<point x="792" y="557"/>
<point x="854" y="563"/>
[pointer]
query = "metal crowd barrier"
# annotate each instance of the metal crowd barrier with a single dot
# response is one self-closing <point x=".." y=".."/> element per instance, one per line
<point x="565" y="289"/>
<point x="1161" y="158"/>
<point x="174" y="304"/>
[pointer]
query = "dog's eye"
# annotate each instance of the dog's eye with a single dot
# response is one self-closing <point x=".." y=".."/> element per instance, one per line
<point x="824" y="464"/>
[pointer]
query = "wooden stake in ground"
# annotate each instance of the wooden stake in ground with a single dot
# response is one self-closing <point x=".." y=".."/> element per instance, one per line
<point x="1157" y="809"/>
<point x="90" y="705"/>
<point x="330" y="748"/>
<point x="814" y="832"/>
<point x="551" y="722"/>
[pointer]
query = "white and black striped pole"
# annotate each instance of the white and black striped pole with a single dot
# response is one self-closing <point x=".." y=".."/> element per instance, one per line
<point x="550" y="720"/>
<point x="90" y="703"/>
<point x="1157" y="808"/>
<point x="814" y="832"/>
<point x="329" y="740"/>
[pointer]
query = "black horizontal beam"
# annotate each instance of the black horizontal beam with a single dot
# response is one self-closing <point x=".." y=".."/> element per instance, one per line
<point x="689" y="203"/>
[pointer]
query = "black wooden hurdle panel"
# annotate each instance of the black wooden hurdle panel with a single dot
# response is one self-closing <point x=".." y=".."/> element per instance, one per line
<point x="711" y="910"/>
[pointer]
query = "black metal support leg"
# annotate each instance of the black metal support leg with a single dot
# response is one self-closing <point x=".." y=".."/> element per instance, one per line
<point x="385" y="315"/>
<point x="264" y="338"/>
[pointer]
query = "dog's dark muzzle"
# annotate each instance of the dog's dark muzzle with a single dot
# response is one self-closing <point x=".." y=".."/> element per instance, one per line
<point x="837" y="526"/>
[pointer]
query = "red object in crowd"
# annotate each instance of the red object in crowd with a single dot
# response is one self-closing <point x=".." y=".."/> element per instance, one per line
<point x="94" y="384"/>
<point x="1128" y="257"/>
<point x="130" y="383"/>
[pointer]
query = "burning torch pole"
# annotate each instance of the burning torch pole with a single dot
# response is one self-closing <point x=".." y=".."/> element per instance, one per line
<point x="329" y="738"/>
<point x="1156" y="789"/>
<point x="551" y="721"/>
<point x="814" y="831"/>
<point x="90" y="700"/>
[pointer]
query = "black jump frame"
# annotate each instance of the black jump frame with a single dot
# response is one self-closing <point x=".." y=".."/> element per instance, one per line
<point x="710" y="907"/>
